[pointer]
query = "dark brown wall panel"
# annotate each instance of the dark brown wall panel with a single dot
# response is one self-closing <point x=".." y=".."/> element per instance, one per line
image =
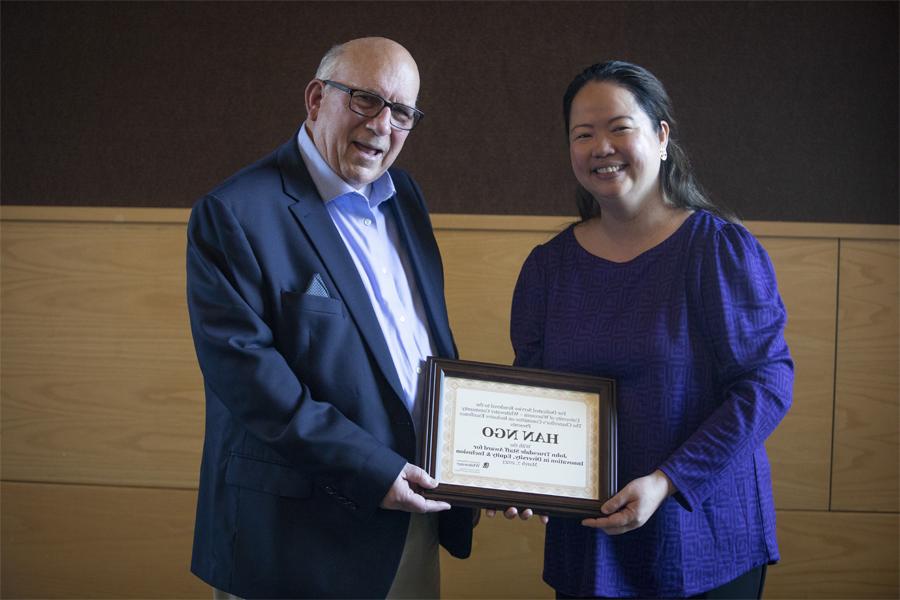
<point x="789" y="110"/>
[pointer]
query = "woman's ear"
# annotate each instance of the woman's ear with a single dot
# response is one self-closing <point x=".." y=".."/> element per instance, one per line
<point x="663" y="135"/>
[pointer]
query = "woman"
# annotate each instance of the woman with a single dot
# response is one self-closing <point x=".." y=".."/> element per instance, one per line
<point x="658" y="289"/>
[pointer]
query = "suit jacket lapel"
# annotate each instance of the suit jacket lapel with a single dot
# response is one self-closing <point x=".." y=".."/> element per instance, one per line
<point x="313" y="217"/>
<point x="415" y="229"/>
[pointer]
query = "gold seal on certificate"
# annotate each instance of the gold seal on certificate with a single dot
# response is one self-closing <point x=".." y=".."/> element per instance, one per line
<point x="496" y="436"/>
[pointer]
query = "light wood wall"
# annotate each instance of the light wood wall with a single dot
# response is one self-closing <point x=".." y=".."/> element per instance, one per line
<point x="101" y="404"/>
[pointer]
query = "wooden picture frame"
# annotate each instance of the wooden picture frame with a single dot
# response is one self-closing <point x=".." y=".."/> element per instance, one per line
<point x="496" y="436"/>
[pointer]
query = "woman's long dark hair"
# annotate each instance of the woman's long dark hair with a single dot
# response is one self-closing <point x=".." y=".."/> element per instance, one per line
<point x="676" y="179"/>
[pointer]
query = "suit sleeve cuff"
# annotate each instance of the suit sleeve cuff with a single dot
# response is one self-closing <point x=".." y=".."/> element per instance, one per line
<point x="378" y="474"/>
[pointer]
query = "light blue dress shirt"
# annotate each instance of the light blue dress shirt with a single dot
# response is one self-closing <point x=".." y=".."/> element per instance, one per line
<point x="366" y="225"/>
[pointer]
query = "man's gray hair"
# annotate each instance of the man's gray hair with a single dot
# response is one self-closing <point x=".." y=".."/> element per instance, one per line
<point x="329" y="62"/>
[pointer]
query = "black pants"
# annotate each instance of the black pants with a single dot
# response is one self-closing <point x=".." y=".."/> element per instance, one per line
<point x="748" y="586"/>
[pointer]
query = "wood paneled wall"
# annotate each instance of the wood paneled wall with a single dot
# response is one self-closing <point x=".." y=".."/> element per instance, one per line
<point x="102" y="404"/>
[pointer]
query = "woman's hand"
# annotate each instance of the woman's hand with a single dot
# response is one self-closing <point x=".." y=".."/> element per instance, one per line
<point x="634" y="505"/>
<point x="512" y="512"/>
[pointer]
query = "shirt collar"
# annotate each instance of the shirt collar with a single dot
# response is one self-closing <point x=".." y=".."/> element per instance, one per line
<point x="330" y="185"/>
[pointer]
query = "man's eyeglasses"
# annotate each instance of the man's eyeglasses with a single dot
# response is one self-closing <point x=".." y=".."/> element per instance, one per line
<point x="368" y="104"/>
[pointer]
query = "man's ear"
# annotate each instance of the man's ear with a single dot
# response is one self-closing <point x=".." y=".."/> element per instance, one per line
<point x="313" y="97"/>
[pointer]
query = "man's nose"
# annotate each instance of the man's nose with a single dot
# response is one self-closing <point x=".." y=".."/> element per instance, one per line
<point x="381" y="123"/>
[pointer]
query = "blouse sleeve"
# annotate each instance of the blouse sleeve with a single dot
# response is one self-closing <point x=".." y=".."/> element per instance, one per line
<point x="743" y="321"/>
<point x="529" y="309"/>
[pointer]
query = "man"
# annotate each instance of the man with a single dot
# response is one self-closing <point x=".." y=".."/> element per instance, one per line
<point x="315" y="291"/>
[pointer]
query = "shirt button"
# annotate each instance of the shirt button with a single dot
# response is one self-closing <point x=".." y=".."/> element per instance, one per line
<point x="367" y="221"/>
<point x="384" y="271"/>
<point x="402" y="319"/>
<point x="419" y="370"/>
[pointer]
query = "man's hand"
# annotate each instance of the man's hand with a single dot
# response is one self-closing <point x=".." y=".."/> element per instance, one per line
<point x="403" y="493"/>
<point x="634" y="505"/>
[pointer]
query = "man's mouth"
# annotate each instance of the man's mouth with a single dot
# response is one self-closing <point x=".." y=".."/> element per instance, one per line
<point x="367" y="150"/>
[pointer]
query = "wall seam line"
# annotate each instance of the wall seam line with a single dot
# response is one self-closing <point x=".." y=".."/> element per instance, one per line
<point x="834" y="378"/>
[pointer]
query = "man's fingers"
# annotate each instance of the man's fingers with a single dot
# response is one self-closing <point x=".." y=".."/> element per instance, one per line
<point x="413" y="502"/>
<point x="435" y="506"/>
<point x="420" y="477"/>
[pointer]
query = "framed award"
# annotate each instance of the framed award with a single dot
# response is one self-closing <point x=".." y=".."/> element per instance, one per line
<point x="496" y="436"/>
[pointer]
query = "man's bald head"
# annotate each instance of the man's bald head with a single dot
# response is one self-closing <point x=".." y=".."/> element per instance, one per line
<point x="367" y="45"/>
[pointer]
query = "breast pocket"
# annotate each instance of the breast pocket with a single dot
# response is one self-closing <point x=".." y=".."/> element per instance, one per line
<point x="310" y="329"/>
<point x="297" y="301"/>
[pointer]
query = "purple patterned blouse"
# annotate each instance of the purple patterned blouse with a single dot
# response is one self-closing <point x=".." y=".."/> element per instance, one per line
<point x="692" y="330"/>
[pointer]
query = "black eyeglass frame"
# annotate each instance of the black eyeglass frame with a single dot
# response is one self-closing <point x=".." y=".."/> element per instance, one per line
<point x="417" y="114"/>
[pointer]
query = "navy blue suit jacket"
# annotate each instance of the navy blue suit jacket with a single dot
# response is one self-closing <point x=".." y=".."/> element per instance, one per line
<point x="305" y="426"/>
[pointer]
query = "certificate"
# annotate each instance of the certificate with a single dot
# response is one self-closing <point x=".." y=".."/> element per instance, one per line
<point x="496" y="436"/>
